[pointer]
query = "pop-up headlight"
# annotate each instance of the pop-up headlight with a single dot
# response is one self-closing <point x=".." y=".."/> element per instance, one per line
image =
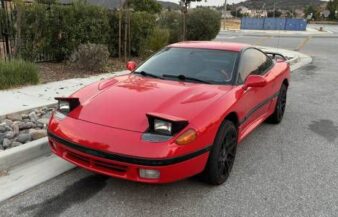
<point x="66" y="105"/>
<point x="165" y="125"/>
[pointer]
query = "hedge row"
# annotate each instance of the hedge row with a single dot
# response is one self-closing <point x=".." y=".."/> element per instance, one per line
<point x="58" y="30"/>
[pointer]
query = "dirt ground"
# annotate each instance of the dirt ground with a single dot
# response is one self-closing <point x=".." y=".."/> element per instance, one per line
<point x="49" y="72"/>
<point x="231" y="24"/>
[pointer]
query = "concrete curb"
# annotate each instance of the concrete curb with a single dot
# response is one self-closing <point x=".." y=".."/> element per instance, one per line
<point x="24" y="153"/>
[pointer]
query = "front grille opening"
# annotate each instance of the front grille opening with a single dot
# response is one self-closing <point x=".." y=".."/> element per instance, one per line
<point x="100" y="165"/>
<point x="78" y="158"/>
<point x="109" y="166"/>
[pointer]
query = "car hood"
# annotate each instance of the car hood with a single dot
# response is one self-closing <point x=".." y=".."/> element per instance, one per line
<point x="123" y="102"/>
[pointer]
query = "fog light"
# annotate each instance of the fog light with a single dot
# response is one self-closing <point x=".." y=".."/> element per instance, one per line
<point x="149" y="174"/>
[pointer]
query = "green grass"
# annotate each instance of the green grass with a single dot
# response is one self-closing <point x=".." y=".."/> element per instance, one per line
<point x="16" y="73"/>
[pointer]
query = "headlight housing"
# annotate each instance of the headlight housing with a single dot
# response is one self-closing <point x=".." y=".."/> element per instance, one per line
<point x="66" y="105"/>
<point x="63" y="107"/>
<point x="165" y="125"/>
<point x="162" y="127"/>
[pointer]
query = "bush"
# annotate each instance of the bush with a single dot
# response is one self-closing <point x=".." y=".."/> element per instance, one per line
<point x="172" y="21"/>
<point x="203" y="24"/>
<point x="59" y="29"/>
<point x="142" y="25"/>
<point x="150" y="6"/>
<point x="155" y="41"/>
<point x="90" y="56"/>
<point x="16" y="73"/>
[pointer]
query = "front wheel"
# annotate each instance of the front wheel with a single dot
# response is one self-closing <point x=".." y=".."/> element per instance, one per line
<point x="222" y="155"/>
<point x="278" y="114"/>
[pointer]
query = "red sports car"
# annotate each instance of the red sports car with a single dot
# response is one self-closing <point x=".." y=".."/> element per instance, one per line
<point x="179" y="114"/>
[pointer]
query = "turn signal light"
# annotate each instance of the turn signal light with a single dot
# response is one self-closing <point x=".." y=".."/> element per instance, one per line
<point x="187" y="137"/>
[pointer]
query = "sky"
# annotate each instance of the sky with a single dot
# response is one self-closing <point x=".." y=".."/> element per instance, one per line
<point x="209" y="2"/>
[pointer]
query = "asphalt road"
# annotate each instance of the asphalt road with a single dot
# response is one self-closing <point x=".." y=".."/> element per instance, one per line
<point x="286" y="170"/>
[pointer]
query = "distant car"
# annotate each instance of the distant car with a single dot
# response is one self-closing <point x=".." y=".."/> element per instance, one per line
<point x="179" y="114"/>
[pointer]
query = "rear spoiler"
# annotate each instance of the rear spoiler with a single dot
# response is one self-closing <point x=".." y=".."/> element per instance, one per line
<point x="276" y="56"/>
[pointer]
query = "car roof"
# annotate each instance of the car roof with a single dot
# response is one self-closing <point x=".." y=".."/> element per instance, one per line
<point x="213" y="45"/>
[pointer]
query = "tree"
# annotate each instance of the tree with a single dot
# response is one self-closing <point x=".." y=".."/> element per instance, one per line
<point x="275" y="13"/>
<point x="150" y="6"/>
<point x="203" y="24"/>
<point x="185" y="4"/>
<point x="311" y="10"/>
<point x="237" y="13"/>
<point x="332" y="6"/>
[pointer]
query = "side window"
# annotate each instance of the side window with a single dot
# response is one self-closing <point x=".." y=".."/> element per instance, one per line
<point x="253" y="62"/>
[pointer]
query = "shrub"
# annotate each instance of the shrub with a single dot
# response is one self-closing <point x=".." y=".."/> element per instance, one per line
<point x="90" y="56"/>
<point x="16" y="73"/>
<point x="155" y="41"/>
<point x="142" y="25"/>
<point x="59" y="29"/>
<point x="172" y="21"/>
<point x="151" y="6"/>
<point x="203" y="24"/>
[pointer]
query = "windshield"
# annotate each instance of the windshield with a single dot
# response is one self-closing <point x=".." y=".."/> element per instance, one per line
<point x="192" y="64"/>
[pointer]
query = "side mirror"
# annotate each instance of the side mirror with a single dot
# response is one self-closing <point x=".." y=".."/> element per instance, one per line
<point x="254" y="81"/>
<point x="131" y="65"/>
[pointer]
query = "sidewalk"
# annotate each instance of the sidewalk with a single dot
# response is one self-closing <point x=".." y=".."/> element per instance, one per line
<point x="309" y="32"/>
<point x="20" y="99"/>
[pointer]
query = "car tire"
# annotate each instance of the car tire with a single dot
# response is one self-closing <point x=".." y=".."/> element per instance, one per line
<point x="278" y="114"/>
<point x="222" y="155"/>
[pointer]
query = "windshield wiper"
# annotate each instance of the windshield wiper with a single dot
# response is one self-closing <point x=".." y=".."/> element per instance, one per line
<point x="184" y="78"/>
<point x="148" y="74"/>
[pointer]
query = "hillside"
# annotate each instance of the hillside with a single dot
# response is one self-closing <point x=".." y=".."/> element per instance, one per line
<point x="170" y="5"/>
<point x="280" y="4"/>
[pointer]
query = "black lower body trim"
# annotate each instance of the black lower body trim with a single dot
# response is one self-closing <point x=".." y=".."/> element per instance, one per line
<point x="128" y="159"/>
<point x="257" y="107"/>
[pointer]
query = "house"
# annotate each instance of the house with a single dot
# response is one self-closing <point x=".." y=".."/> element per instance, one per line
<point x="244" y="10"/>
<point x="259" y="13"/>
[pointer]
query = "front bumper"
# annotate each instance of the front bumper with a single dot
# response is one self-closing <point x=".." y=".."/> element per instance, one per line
<point x="127" y="167"/>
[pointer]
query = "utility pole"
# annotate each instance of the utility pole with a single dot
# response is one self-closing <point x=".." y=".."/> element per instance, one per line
<point x="120" y="28"/>
<point x="185" y="11"/>
<point x="126" y="30"/>
<point x="225" y="11"/>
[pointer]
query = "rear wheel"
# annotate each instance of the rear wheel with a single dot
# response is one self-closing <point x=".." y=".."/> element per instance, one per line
<point x="278" y="114"/>
<point x="222" y="155"/>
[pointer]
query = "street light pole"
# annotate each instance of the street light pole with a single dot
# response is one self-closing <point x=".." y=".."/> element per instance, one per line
<point x="224" y="14"/>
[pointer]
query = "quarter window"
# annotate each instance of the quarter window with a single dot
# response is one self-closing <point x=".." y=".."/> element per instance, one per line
<point x="253" y="62"/>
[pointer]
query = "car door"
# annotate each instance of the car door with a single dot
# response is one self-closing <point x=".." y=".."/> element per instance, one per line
<point x="254" y="101"/>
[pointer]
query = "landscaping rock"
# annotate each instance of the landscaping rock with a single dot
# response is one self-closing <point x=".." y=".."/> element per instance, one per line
<point x="15" y="144"/>
<point x="16" y="128"/>
<point x="3" y="129"/>
<point x="27" y="125"/>
<point x="43" y="121"/>
<point x="14" y="117"/>
<point x="8" y="122"/>
<point x="33" y="116"/>
<point x="37" y="134"/>
<point x="10" y="135"/>
<point x="24" y="137"/>
<point x="25" y="116"/>
<point x="2" y="137"/>
<point x="6" y="143"/>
